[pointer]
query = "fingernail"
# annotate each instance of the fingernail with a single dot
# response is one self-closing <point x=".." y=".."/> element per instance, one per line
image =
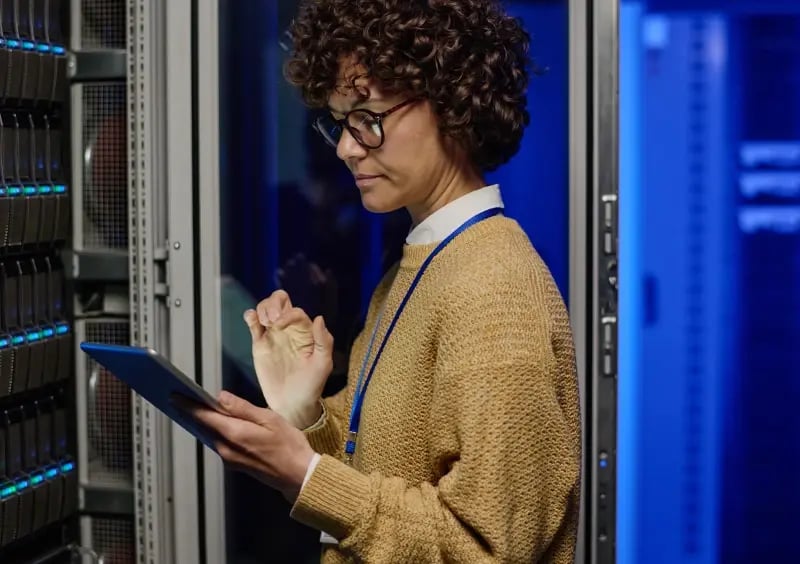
<point x="224" y="399"/>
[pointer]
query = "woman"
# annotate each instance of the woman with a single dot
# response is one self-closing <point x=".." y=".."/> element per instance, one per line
<point x="458" y="436"/>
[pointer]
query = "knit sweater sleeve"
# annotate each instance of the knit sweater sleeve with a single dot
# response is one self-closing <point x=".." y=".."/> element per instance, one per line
<point x="502" y="429"/>
<point x="326" y="435"/>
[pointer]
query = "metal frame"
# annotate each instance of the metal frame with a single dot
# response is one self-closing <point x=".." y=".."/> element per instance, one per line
<point x="180" y="192"/>
<point x="605" y="141"/>
<point x="593" y="260"/>
<point x="207" y="61"/>
<point x="604" y="340"/>
<point x="147" y="214"/>
<point x="82" y="429"/>
<point x="578" y="201"/>
<point x="76" y="136"/>
<point x="163" y="129"/>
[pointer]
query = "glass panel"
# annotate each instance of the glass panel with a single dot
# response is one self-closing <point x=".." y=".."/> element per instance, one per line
<point x="710" y="281"/>
<point x="292" y="218"/>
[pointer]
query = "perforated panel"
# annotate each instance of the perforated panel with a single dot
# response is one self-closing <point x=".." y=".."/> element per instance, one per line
<point x="696" y="367"/>
<point x="113" y="540"/>
<point x="109" y="412"/>
<point x="105" y="167"/>
<point x="103" y="24"/>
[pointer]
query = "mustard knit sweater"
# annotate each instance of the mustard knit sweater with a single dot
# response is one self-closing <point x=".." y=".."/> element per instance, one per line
<point x="469" y="448"/>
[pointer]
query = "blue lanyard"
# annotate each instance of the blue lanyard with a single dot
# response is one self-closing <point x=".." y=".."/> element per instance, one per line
<point x="361" y="390"/>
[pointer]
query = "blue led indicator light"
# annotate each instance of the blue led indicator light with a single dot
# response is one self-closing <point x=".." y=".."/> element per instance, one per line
<point x="68" y="467"/>
<point x="45" y="189"/>
<point x="52" y="473"/>
<point x="60" y="189"/>
<point x="37" y="479"/>
<point x="7" y="491"/>
<point x="17" y="340"/>
<point x="48" y="332"/>
<point x="15" y="191"/>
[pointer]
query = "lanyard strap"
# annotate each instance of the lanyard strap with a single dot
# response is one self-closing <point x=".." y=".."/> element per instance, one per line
<point x="361" y="390"/>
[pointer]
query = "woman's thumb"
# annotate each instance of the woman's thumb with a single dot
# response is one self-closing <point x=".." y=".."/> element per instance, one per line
<point x="323" y="342"/>
<point x="256" y="329"/>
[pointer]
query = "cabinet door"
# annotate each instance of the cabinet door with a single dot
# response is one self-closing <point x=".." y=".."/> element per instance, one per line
<point x="710" y="208"/>
<point x="292" y="218"/>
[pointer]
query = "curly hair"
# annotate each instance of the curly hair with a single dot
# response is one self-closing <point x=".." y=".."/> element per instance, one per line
<point x="467" y="57"/>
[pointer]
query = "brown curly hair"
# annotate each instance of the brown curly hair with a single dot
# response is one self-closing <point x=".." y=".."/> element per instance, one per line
<point x="468" y="57"/>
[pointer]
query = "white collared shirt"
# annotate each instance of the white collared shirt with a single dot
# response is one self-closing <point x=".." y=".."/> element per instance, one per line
<point x="444" y="221"/>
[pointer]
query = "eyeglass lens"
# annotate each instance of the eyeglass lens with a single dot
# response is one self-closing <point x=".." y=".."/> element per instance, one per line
<point x="362" y="125"/>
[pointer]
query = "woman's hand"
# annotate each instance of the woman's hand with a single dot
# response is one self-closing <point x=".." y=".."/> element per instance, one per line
<point x="257" y="441"/>
<point x="293" y="358"/>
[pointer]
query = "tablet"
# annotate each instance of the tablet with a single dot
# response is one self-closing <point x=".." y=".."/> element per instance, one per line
<point x="155" y="379"/>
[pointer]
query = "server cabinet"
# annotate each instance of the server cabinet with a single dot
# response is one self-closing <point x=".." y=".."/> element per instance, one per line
<point x="594" y="262"/>
<point x="38" y="468"/>
<point x="133" y="271"/>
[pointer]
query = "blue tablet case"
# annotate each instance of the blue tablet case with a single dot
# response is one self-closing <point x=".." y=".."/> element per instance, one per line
<point x="155" y="379"/>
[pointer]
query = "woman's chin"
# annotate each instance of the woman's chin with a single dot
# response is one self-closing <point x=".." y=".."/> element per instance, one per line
<point x="375" y="204"/>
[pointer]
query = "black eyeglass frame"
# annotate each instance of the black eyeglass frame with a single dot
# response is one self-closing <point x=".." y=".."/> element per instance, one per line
<point x="378" y="117"/>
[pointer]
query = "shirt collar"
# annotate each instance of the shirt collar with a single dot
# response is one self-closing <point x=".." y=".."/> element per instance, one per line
<point x="447" y="219"/>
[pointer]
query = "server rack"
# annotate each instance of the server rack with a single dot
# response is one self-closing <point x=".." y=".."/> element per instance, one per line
<point x="38" y="471"/>
<point x="133" y="270"/>
<point x="142" y="122"/>
<point x="762" y="448"/>
<point x="594" y="262"/>
<point x="142" y="283"/>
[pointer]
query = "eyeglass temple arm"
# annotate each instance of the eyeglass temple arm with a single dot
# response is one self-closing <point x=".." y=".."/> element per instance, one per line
<point x="399" y="106"/>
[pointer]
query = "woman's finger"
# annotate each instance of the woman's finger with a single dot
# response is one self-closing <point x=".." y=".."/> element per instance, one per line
<point x="291" y="317"/>
<point x="271" y="308"/>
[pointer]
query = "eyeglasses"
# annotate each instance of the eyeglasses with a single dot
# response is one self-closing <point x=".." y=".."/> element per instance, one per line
<point x="365" y="126"/>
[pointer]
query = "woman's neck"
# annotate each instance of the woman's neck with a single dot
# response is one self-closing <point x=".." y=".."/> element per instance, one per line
<point x="446" y="191"/>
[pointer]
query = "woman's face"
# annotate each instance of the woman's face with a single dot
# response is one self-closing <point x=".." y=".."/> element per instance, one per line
<point x="411" y="163"/>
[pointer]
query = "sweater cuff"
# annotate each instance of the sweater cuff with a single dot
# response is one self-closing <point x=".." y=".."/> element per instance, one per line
<point x="323" y="436"/>
<point x="333" y="499"/>
<point x="310" y="469"/>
